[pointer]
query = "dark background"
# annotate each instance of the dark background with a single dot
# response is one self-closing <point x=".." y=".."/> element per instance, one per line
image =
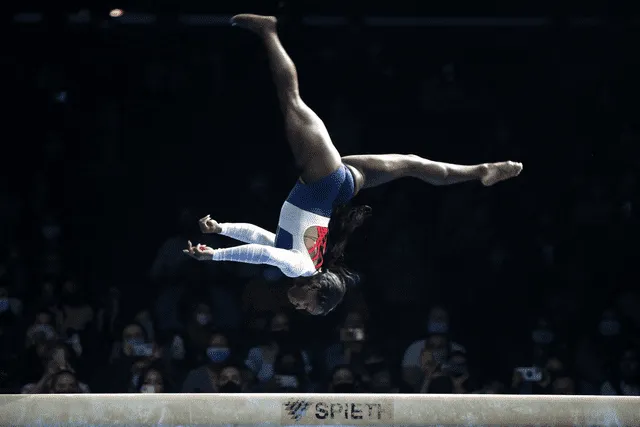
<point x="122" y="135"/>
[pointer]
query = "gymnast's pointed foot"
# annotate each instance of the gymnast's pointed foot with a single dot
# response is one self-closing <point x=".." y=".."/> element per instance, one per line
<point x="497" y="172"/>
<point x="259" y="24"/>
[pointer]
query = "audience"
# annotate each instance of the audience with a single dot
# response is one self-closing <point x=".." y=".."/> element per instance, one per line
<point x="521" y="288"/>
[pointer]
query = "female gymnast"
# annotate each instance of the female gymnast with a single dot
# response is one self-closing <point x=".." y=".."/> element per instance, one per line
<point x="315" y="221"/>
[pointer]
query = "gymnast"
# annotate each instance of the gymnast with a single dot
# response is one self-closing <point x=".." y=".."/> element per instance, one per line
<point x="315" y="220"/>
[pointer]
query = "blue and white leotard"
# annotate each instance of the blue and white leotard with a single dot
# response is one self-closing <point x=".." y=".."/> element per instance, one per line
<point x="308" y="205"/>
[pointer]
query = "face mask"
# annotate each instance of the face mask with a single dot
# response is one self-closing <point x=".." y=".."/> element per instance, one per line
<point x="437" y="327"/>
<point x="203" y="319"/>
<point x="47" y="330"/>
<point x="4" y="305"/>
<point x="148" y="388"/>
<point x="287" y="381"/>
<point x="135" y="341"/>
<point x="230" y="387"/>
<point x="609" y="328"/>
<point x="439" y="356"/>
<point x="344" y="388"/>
<point x="542" y="336"/>
<point x="218" y="354"/>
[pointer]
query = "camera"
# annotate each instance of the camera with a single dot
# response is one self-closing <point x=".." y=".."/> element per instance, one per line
<point x="530" y="374"/>
<point x="351" y="334"/>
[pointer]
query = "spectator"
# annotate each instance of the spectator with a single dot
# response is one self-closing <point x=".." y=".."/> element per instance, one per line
<point x="204" y="379"/>
<point x="551" y="369"/>
<point x="198" y="332"/>
<point x="343" y="380"/>
<point x="65" y="382"/>
<point x="42" y="329"/>
<point x="353" y="338"/>
<point x="58" y="359"/>
<point x="458" y="369"/>
<point x="75" y="311"/>
<point x="437" y="337"/>
<point x="430" y="369"/>
<point x="625" y="380"/>
<point x="152" y="380"/>
<point x="129" y="357"/>
<point x="132" y="343"/>
<point x="598" y="349"/>
<point x="289" y="374"/>
<point x="261" y="359"/>
<point x="381" y="379"/>
<point x="563" y="384"/>
<point x="230" y="380"/>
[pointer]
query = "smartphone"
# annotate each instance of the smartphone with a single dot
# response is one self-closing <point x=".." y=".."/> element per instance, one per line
<point x="144" y="350"/>
<point x="351" y="334"/>
<point x="530" y="374"/>
<point x="286" y="381"/>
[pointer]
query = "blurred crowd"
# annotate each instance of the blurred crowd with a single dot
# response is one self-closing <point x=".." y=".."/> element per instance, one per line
<point x="64" y="343"/>
<point x="527" y="288"/>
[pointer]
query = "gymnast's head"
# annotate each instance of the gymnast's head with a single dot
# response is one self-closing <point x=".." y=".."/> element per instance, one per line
<point x="321" y="293"/>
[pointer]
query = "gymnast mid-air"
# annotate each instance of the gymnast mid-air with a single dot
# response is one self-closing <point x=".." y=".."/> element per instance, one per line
<point x="315" y="220"/>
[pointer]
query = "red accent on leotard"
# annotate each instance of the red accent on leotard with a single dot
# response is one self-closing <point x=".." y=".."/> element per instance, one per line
<point x="320" y="245"/>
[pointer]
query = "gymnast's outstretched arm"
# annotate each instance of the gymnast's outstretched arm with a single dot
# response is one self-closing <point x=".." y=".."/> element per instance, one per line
<point x="291" y="263"/>
<point x="243" y="232"/>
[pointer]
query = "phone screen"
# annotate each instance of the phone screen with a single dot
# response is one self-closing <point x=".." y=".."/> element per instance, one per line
<point x="531" y="374"/>
<point x="351" y="334"/>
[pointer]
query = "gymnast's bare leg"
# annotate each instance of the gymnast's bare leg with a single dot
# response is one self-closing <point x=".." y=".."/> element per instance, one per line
<point x="313" y="151"/>
<point x="316" y="156"/>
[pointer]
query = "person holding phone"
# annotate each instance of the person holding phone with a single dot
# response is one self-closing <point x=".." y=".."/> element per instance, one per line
<point x="261" y="359"/>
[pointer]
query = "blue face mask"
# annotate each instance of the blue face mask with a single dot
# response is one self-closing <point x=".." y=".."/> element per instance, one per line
<point x="135" y="341"/>
<point x="4" y="305"/>
<point x="218" y="354"/>
<point x="437" y="327"/>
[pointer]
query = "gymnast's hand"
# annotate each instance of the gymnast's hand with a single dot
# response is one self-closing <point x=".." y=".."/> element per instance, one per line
<point x="199" y="252"/>
<point x="208" y="225"/>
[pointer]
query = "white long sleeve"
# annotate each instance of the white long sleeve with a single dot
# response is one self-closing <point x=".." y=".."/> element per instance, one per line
<point x="248" y="233"/>
<point x="291" y="262"/>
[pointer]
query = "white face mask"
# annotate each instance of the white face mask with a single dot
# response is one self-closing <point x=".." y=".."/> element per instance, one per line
<point x="148" y="388"/>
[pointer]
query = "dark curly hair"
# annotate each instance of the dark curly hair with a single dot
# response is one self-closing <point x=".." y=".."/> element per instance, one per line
<point x="334" y="278"/>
